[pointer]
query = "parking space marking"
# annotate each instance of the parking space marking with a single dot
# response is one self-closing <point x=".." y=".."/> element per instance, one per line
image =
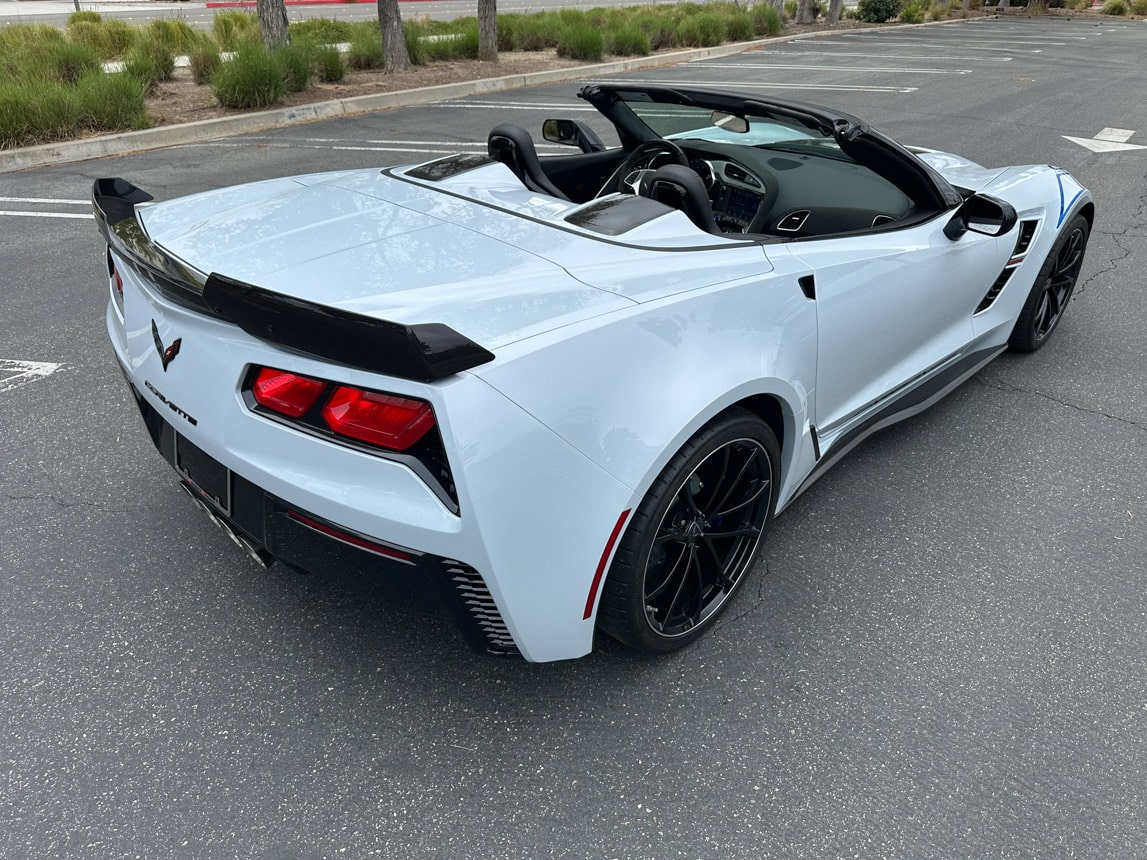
<point x="772" y="85"/>
<point x="876" y="40"/>
<point x="22" y="214"/>
<point x="868" y="56"/>
<point x="13" y="374"/>
<point x="898" y="71"/>
<point x="44" y="200"/>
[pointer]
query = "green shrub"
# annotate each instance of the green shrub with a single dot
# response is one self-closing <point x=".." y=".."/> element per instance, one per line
<point x="910" y="13"/>
<point x="92" y="35"/>
<point x="1139" y="7"/>
<point x="939" y="10"/>
<point x="150" y="62"/>
<point x="204" y="58"/>
<point x="320" y="31"/>
<point x="172" y="33"/>
<point x="294" y="65"/>
<point x="232" y="28"/>
<point x="581" y="42"/>
<point x="85" y="16"/>
<point x="766" y="20"/>
<point x="1114" y="7"/>
<point x="33" y="111"/>
<point x="253" y="78"/>
<point x="538" y="31"/>
<point x="507" y="31"/>
<point x="701" y="31"/>
<point x="877" y="11"/>
<point x="110" y="102"/>
<point x="70" y="61"/>
<point x="790" y="9"/>
<point x="365" y="50"/>
<point x="627" y="41"/>
<point x="329" y="64"/>
<point x="413" y="33"/>
<point x="121" y="37"/>
<point x="739" y="27"/>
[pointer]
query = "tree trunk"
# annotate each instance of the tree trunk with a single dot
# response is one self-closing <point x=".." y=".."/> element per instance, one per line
<point x="273" y="22"/>
<point x="488" y="31"/>
<point x="967" y="5"/>
<point x="806" y="12"/>
<point x="394" y="55"/>
<point x="832" y="17"/>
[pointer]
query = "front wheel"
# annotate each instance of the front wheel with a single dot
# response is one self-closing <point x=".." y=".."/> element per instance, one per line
<point x="694" y="536"/>
<point x="1052" y="290"/>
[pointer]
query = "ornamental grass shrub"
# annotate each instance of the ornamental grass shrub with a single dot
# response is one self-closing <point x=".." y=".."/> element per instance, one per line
<point x="739" y="27"/>
<point x="174" y="34"/>
<point x="365" y="49"/>
<point x="701" y="30"/>
<point x="911" y="13"/>
<point x="253" y="78"/>
<point x="205" y="59"/>
<point x="766" y="20"/>
<point x="151" y="61"/>
<point x="321" y="31"/>
<point x="232" y="28"/>
<point x="627" y="41"/>
<point x="581" y="41"/>
<point x="1139" y="7"/>
<point x="1115" y="7"/>
<point x="295" y="63"/>
<point x="329" y="64"/>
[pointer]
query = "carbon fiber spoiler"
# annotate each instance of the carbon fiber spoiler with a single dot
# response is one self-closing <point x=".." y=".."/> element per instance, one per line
<point x="423" y="352"/>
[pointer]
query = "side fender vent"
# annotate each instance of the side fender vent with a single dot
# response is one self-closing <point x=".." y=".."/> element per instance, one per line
<point x="990" y="297"/>
<point x="480" y="607"/>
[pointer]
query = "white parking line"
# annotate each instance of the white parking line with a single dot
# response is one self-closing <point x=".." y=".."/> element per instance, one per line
<point x="13" y="374"/>
<point x="45" y="214"/>
<point x="770" y="85"/>
<point x="932" y="57"/>
<point x="44" y="200"/>
<point x="900" y="71"/>
<point x="957" y="39"/>
<point x="918" y="45"/>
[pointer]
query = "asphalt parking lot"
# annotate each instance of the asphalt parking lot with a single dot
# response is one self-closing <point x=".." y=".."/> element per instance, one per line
<point x="942" y="654"/>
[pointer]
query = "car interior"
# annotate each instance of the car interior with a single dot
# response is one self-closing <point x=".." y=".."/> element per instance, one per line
<point x="731" y="168"/>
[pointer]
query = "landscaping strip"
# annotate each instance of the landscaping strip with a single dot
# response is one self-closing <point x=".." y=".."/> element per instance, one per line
<point x="63" y="152"/>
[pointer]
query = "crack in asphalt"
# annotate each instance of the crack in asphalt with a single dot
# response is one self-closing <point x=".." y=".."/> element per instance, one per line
<point x="1003" y="386"/>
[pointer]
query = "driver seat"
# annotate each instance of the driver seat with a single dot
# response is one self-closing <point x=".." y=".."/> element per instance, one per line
<point x="512" y="145"/>
<point x="679" y="187"/>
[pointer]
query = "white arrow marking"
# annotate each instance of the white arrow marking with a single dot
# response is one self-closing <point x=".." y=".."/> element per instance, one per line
<point x="1108" y="140"/>
<point x="13" y="374"/>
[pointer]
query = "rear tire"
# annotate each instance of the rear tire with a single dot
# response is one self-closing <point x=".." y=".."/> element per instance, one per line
<point x="694" y="537"/>
<point x="1052" y="289"/>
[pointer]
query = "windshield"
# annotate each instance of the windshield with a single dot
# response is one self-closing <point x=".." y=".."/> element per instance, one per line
<point x="695" y="122"/>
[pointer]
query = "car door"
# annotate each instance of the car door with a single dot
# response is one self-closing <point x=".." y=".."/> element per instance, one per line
<point x="892" y="307"/>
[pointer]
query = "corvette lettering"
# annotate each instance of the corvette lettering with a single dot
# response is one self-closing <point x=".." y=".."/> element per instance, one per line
<point x="192" y="421"/>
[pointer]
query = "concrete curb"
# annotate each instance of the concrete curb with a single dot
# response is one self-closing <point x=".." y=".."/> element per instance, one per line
<point x="125" y="143"/>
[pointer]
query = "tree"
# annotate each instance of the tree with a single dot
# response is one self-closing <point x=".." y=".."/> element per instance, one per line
<point x="273" y="22"/>
<point x="488" y="30"/>
<point x="806" y="12"/>
<point x="394" y="55"/>
<point x="832" y="17"/>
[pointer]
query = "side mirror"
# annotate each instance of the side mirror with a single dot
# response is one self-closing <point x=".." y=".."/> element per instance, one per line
<point x="980" y="213"/>
<point x="572" y="132"/>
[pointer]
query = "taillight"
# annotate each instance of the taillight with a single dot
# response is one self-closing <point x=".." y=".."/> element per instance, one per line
<point x="378" y="419"/>
<point x="286" y="393"/>
<point x="116" y="282"/>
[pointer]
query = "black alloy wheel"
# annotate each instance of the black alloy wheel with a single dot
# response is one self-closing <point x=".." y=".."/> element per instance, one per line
<point x="1052" y="289"/>
<point x="694" y="537"/>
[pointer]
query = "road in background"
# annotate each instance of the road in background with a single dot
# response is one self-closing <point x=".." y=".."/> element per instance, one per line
<point x="198" y="15"/>
<point x="941" y="654"/>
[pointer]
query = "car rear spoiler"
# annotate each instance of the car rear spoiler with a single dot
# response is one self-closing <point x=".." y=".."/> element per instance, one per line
<point x="423" y="352"/>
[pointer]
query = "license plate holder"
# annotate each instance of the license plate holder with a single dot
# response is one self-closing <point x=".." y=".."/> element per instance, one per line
<point x="204" y="473"/>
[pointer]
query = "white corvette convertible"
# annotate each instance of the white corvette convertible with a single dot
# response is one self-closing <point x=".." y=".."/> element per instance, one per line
<point x="570" y="393"/>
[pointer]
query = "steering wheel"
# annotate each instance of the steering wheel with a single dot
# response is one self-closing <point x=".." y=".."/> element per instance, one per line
<point x="642" y="157"/>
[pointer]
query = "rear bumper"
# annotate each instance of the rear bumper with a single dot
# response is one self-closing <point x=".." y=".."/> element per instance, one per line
<point x="276" y="530"/>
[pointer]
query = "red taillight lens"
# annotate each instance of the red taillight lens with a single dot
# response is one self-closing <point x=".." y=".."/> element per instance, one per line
<point x="286" y="393"/>
<point x="380" y="419"/>
<point x="119" y="285"/>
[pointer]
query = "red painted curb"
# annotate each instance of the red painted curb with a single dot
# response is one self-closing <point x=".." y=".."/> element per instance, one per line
<point x="250" y="4"/>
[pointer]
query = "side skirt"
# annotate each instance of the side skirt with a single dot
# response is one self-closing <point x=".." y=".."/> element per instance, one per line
<point x="911" y="402"/>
